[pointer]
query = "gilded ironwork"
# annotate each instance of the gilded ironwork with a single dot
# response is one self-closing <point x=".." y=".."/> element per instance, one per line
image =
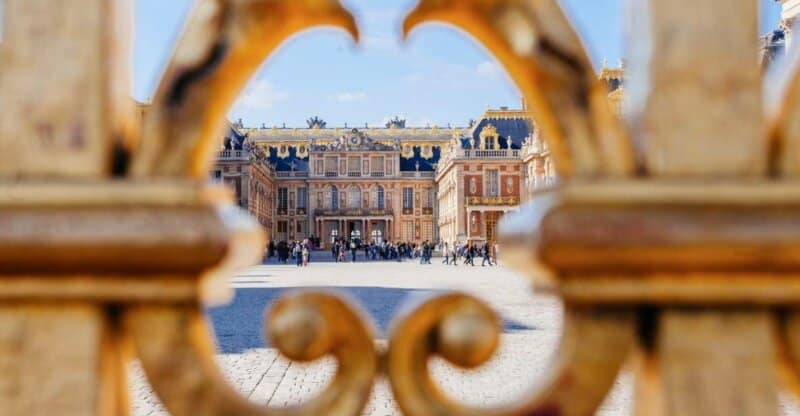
<point x="492" y="200"/>
<point x="543" y="55"/>
<point x="686" y="265"/>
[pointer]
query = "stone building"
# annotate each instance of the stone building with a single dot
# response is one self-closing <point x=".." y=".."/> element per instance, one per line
<point x="354" y="183"/>
<point x="480" y="175"/>
<point x="391" y="183"/>
<point x="247" y="172"/>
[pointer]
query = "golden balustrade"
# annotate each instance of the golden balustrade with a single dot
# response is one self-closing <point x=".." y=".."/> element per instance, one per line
<point x="672" y="240"/>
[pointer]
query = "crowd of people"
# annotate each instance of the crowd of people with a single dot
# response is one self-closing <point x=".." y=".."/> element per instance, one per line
<point x="384" y="250"/>
<point x="468" y="252"/>
<point x="299" y="252"/>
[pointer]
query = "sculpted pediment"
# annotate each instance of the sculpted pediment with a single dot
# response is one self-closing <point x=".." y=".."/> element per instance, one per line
<point x="353" y="140"/>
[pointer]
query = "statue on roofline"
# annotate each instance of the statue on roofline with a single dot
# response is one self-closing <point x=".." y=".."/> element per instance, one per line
<point x="316" y="122"/>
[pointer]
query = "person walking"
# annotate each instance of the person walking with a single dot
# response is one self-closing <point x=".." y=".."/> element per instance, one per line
<point x="297" y="252"/>
<point x="427" y="251"/>
<point x="335" y="251"/>
<point x="454" y="252"/>
<point x="486" y="255"/>
<point x="283" y="252"/>
<point x="353" y="250"/>
<point x="446" y="254"/>
<point x="305" y="253"/>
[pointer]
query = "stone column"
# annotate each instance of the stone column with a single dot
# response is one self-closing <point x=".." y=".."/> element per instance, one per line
<point x="468" y="223"/>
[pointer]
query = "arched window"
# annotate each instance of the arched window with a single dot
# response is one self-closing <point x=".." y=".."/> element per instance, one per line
<point x="355" y="197"/>
<point x="377" y="235"/>
<point x="334" y="198"/>
<point x="380" y="201"/>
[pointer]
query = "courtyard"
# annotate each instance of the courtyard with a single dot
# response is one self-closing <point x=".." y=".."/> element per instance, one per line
<point x="531" y="329"/>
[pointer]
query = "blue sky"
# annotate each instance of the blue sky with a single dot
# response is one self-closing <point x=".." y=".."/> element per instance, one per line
<point x="440" y="76"/>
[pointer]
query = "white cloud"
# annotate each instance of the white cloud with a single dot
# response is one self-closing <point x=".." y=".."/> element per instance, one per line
<point x="489" y="69"/>
<point x="349" y="97"/>
<point x="258" y="97"/>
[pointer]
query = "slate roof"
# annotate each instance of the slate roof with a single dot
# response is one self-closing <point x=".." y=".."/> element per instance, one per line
<point x="517" y="128"/>
<point x="233" y="140"/>
<point x="425" y="165"/>
<point x="285" y="164"/>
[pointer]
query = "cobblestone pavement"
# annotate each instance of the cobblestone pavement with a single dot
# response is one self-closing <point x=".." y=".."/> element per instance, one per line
<point x="531" y="329"/>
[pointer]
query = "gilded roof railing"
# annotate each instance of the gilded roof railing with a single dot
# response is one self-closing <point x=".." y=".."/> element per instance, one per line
<point x="673" y="240"/>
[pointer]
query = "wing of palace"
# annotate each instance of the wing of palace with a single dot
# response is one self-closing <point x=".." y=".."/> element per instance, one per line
<point x="389" y="183"/>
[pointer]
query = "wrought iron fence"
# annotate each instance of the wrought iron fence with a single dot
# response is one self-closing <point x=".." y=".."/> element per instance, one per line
<point x="673" y="242"/>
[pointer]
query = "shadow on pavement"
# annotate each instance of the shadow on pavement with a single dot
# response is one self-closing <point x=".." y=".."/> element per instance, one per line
<point x="239" y="325"/>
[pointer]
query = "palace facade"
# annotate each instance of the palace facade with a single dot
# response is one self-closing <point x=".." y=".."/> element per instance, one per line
<point x="390" y="183"/>
<point x="775" y="44"/>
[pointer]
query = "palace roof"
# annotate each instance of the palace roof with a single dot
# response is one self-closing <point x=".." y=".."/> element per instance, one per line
<point x="512" y="126"/>
<point x="376" y="133"/>
<point x="233" y="140"/>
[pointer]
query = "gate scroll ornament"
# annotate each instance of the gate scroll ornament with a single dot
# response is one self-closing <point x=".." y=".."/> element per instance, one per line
<point x="672" y="240"/>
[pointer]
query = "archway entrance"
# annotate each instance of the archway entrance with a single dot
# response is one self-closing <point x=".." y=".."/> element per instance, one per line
<point x="491" y="219"/>
<point x="354" y="231"/>
<point x="334" y="234"/>
<point x="377" y="231"/>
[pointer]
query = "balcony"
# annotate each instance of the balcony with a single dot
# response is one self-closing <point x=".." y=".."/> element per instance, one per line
<point x="331" y="174"/>
<point x="376" y="174"/>
<point x="353" y="174"/>
<point x="492" y="200"/>
<point x="292" y="174"/>
<point x="352" y="212"/>
<point x="488" y="154"/>
<point x="425" y="175"/>
<point x="234" y="155"/>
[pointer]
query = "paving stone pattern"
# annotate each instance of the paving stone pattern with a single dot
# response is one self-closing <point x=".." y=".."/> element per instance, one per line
<point x="531" y="329"/>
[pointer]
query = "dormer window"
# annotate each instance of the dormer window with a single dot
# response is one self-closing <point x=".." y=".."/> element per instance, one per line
<point x="489" y="138"/>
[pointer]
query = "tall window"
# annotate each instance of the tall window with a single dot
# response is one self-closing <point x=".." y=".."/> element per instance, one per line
<point x="331" y="166"/>
<point x="408" y="231"/>
<point x="334" y="198"/>
<point x="490" y="143"/>
<point x="283" y="198"/>
<point x="492" y="182"/>
<point x="302" y="198"/>
<point x="283" y="230"/>
<point x="354" y="166"/>
<point x="355" y="197"/>
<point x="427" y="230"/>
<point x="408" y="198"/>
<point x="380" y="198"/>
<point x="428" y="198"/>
<point x="377" y="166"/>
